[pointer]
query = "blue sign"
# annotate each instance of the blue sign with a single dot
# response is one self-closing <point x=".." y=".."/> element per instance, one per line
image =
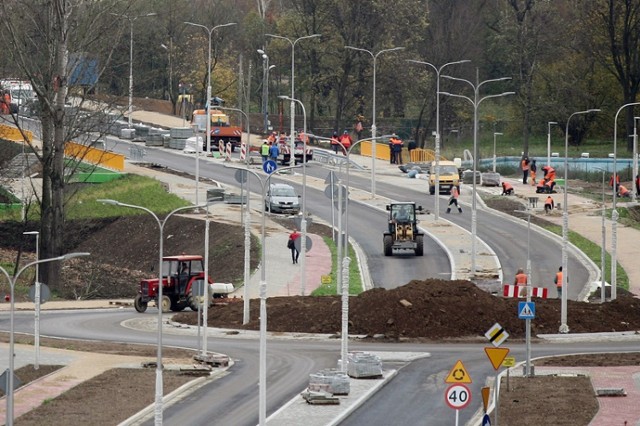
<point x="486" y="420"/>
<point x="269" y="166"/>
<point x="526" y="310"/>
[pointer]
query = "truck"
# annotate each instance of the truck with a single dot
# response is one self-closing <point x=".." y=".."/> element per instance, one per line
<point x="221" y="128"/>
<point x="449" y="177"/>
<point x="182" y="276"/>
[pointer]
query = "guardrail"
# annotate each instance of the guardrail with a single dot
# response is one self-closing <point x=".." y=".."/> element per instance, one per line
<point x="94" y="156"/>
<point x="13" y="134"/>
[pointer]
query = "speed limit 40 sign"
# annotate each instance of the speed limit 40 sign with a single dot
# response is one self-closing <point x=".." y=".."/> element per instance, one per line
<point x="457" y="396"/>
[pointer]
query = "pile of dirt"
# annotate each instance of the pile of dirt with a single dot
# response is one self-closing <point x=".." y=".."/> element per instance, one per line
<point x="431" y="309"/>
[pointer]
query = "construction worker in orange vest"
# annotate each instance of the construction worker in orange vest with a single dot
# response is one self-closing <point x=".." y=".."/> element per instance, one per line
<point x="548" y="204"/>
<point x="533" y="168"/>
<point x="335" y="143"/>
<point x="524" y="164"/>
<point x="521" y="282"/>
<point x="623" y="191"/>
<point x="507" y="189"/>
<point x="617" y="181"/>
<point x="559" y="281"/>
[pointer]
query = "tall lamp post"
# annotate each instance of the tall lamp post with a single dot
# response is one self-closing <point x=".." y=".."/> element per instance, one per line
<point x="476" y="101"/>
<point x="161" y="223"/>
<point x="549" y="142"/>
<point x="303" y="222"/>
<point x="614" y="213"/>
<point x="603" y="249"/>
<point x="208" y="105"/>
<point x="265" y="87"/>
<point x="564" y="328"/>
<point x="634" y="191"/>
<point x="247" y="225"/>
<point x="12" y="285"/>
<point x="36" y="331"/>
<point x="262" y="368"/>
<point x="131" y="20"/>
<point x="438" y="70"/>
<point x="373" y="120"/>
<point x="293" y="77"/>
<point x="494" y="149"/>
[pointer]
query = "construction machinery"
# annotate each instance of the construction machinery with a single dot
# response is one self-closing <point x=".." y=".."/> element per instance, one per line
<point x="182" y="285"/>
<point x="403" y="233"/>
<point x="221" y="128"/>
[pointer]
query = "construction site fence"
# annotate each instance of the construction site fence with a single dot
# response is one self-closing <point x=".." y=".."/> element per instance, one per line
<point x="383" y="152"/>
<point x="100" y="157"/>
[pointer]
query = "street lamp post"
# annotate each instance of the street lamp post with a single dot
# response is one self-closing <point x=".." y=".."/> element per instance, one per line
<point x="12" y="285"/>
<point x="303" y="222"/>
<point x="262" y="398"/>
<point x="131" y="20"/>
<point x="564" y="328"/>
<point x="293" y="77"/>
<point x="634" y="191"/>
<point x="36" y="331"/>
<point x="476" y="101"/>
<point x="603" y="249"/>
<point x="265" y="87"/>
<point x="438" y="70"/>
<point x="549" y="141"/>
<point x="614" y="213"/>
<point x="247" y="225"/>
<point x="373" y="120"/>
<point x="161" y="223"/>
<point x="207" y="108"/>
<point x="494" y="149"/>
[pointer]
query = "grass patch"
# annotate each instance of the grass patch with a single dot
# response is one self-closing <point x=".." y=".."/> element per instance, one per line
<point x="592" y="251"/>
<point x="355" y="281"/>
<point x="131" y="189"/>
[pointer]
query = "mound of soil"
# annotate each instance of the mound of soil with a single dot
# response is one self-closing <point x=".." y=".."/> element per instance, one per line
<point x="432" y="309"/>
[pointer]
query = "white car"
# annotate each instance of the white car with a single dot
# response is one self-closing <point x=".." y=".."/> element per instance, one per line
<point x="282" y="198"/>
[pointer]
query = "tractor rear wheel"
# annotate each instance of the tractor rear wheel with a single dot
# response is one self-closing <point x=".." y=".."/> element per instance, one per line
<point x="139" y="304"/>
<point x="192" y="301"/>
<point x="419" y="245"/>
<point x="388" y="245"/>
<point x="166" y="304"/>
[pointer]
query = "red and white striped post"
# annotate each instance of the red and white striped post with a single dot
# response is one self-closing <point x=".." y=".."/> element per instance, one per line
<point x="227" y="156"/>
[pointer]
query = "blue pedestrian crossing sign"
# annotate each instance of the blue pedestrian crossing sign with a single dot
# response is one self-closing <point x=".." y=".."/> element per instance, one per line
<point x="269" y="166"/>
<point x="526" y="310"/>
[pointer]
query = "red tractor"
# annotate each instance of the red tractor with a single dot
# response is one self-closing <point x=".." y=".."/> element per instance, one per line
<point x="181" y="277"/>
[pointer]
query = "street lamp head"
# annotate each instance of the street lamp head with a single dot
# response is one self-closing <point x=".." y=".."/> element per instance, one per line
<point x="260" y="51"/>
<point x="108" y="201"/>
<point x="73" y="255"/>
<point x="271" y="67"/>
<point x="594" y="110"/>
<point x="31" y="233"/>
<point x="225" y="25"/>
<point x="497" y="133"/>
<point x="553" y="122"/>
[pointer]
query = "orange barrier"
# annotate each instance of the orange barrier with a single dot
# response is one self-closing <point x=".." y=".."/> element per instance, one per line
<point x="96" y="156"/>
<point x="13" y="134"/>
<point x="382" y="151"/>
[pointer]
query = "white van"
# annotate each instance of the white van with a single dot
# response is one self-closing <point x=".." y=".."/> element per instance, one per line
<point x="282" y="198"/>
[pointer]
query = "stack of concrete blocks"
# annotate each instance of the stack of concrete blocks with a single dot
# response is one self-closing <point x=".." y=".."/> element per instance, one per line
<point x="330" y="380"/>
<point x="142" y="130"/>
<point x="155" y="137"/>
<point x="364" y="365"/>
<point x="179" y="136"/>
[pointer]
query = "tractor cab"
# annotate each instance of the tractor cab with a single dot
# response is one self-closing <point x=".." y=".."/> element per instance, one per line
<point x="403" y="232"/>
<point x="182" y="285"/>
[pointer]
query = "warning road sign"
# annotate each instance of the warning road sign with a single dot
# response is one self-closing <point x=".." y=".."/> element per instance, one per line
<point x="496" y="335"/>
<point x="458" y="374"/>
<point x="496" y="356"/>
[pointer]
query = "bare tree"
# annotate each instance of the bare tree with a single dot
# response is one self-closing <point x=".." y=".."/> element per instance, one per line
<point x="41" y="36"/>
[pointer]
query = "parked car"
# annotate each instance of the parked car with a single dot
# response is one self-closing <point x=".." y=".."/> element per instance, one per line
<point x="282" y="198"/>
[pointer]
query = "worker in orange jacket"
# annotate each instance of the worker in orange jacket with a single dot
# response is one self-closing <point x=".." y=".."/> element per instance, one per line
<point x="524" y="164"/>
<point x="507" y="189"/>
<point x="559" y="281"/>
<point x="548" y="205"/>
<point x="617" y="182"/>
<point x="549" y="172"/>
<point x="521" y="282"/>
<point x="623" y="191"/>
